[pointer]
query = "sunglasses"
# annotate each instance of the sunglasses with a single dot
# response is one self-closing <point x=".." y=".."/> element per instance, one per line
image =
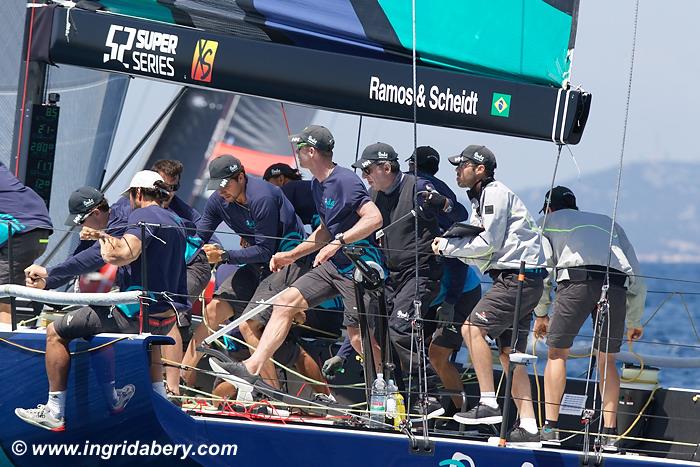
<point x="173" y="188"/>
<point x="368" y="169"/>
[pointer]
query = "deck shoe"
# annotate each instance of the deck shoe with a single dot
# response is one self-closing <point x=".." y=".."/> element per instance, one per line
<point x="42" y="417"/>
<point x="520" y="437"/>
<point x="481" y="414"/>
<point x="550" y="436"/>
<point x="430" y="408"/>
<point x="610" y="440"/>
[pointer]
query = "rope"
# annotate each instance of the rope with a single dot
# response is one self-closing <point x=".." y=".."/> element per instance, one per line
<point x="80" y="352"/>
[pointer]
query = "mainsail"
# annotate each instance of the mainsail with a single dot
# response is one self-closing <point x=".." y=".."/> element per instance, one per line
<point x="481" y="67"/>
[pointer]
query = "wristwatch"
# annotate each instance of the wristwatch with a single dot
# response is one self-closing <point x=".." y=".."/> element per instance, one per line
<point x="341" y="238"/>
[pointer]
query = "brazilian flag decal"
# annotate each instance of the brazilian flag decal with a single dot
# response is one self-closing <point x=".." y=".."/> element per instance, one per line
<point x="500" y="105"/>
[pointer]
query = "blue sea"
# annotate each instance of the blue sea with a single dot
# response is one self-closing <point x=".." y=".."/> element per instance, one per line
<point x="673" y="311"/>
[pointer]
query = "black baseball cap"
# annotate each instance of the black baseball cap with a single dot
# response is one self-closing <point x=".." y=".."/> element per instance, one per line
<point x="374" y="153"/>
<point x="221" y="170"/>
<point x="317" y="136"/>
<point x="278" y="169"/>
<point x="426" y="158"/>
<point x="562" y="198"/>
<point x="476" y="153"/>
<point x="81" y="203"/>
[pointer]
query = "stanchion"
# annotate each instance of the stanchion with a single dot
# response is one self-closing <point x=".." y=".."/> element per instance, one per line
<point x="511" y="364"/>
<point x="145" y="327"/>
<point x="11" y="263"/>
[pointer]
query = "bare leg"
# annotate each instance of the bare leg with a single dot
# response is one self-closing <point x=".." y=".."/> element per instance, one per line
<point x="174" y="354"/>
<point x="307" y="366"/>
<point x="356" y="342"/>
<point x="440" y="359"/>
<point x="252" y="331"/>
<point x="480" y="352"/>
<point x="5" y="313"/>
<point x="216" y="313"/>
<point x="554" y="382"/>
<point x="612" y="388"/>
<point x="291" y="302"/>
<point x="225" y="390"/>
<point x="57" y="360"/>
<point x="521" y="391"/>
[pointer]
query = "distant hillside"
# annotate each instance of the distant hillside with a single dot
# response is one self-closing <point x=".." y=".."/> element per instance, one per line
<point x="659" y="206"/>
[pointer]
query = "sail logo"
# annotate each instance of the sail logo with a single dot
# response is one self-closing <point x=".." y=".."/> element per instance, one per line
<point x="500" y="105"/>
<point x="203" y="60"/>
<point x="150" y="52"/>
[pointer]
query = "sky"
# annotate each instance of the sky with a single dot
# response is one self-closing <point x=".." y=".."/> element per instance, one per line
<point x="662" y="105"/>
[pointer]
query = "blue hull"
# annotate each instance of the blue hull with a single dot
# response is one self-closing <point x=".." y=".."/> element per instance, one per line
<point x="150" y="420"/>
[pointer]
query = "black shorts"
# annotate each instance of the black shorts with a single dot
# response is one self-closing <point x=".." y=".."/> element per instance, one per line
<point x="401" y="296"/>
<point x="198" y="276"/>
<point x="325" y="282"/>
<point x="574" y="302"/>
<point x="239" y="287"/>
<point x="26" y="248"/>
<point x="88" y="321"/>
<point x="274" y="284"/>
<point x="450" y="336"/>
<point x="495" y="311"/>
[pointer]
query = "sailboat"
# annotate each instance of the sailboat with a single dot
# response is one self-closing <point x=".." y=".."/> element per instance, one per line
<point x="350" y="56"/>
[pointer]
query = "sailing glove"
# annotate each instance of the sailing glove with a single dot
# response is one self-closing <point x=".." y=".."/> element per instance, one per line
<point x="445" y="314"/>
<point x="332" y="366"/>
<point x="437" y="201"/>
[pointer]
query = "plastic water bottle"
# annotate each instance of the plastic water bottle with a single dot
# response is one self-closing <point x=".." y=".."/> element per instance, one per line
<point x="391" y="391"/>
<point x="377" y="402"/>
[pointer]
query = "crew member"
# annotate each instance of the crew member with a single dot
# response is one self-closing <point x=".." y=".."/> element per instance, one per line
<point x="577" y="248"/>
<point x="508" y="239"/>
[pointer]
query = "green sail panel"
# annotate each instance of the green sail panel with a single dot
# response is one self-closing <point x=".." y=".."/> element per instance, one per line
<point x="519" y="38"/>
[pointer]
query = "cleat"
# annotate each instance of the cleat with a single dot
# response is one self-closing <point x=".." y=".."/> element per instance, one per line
<point x="41" y="417"/>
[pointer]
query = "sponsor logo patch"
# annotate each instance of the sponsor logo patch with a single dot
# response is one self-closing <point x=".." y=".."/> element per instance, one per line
<point x="488" y="209"/>
<point x="141" y="50"/>
<point x="500" y="105"/>
<point x="203" y="60"/>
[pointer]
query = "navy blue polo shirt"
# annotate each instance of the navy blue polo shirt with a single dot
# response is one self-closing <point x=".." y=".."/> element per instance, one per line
<point x="21" y="206"/>
<point x="337" y="200"/>
<point x="162" y="249"/>
<point x="267" y="222"/>
<point x="298" y="192"/>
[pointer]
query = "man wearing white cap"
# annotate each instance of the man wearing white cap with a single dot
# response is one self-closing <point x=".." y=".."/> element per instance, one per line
<point x="162" y="245"/>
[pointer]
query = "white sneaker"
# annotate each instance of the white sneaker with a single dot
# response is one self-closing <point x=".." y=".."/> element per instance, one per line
<point x="42" y="417"/>
<point x="124" y="395"/>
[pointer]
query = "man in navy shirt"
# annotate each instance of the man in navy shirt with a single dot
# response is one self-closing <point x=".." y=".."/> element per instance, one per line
<point x="23" y="215"/>
<point x="297" y="191"/>
<point x="162" y="245"/>
<point x="348" y="215"/>
<point x="264" y="218"/>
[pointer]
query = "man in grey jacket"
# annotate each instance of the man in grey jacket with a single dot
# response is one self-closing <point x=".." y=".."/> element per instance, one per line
<point x="509" y="237"/>
<point x="577" y="247"/>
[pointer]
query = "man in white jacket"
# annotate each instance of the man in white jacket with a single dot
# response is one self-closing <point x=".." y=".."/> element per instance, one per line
<point x="509" y="237"/>
<point x="577" y="247"/>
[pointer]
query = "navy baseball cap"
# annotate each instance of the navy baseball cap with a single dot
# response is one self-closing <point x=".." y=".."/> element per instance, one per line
<point x="81" y="203"/>
<point x="280" y="168"/>
<point x="478" y="154"/>
<point x="221" y="170"/>
<point x="316" y="136"/>
<point x="562" y="198"/>
<point x="377" y="152"/>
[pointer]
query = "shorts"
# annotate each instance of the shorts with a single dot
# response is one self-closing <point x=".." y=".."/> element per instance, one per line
<point x="198" y="276"/>
<point x="400" y="298"/>
<point x="274" y="284"/>
<point x="574" y="302"/>
<point x="26" y="248"/>
<point x="239" y="287"/>
<point x="495" y="311"/>
<point x="161" y="326"/>
<point x="325" y="282"/>
<point x="450" y="336"/>
<point x="88" y="321"/>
